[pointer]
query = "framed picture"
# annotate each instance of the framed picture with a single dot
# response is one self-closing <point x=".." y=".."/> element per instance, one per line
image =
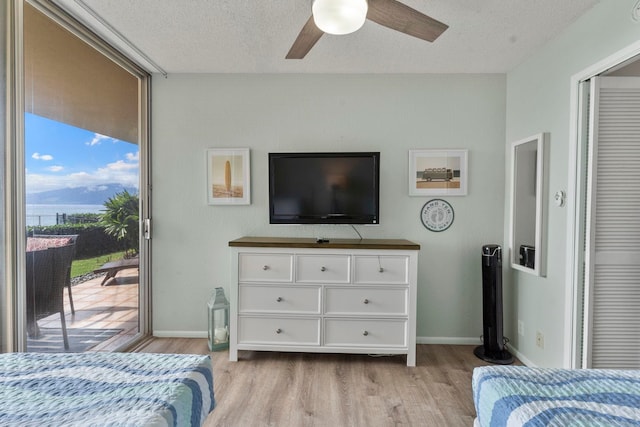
<point x="228" y="176"/>
<point x="438" y="172"/>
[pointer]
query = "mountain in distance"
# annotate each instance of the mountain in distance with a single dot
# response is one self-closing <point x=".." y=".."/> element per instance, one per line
<point x="79" y="195"/>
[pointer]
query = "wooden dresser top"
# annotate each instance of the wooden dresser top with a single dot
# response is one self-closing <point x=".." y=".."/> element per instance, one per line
<point x="298" y="242"/>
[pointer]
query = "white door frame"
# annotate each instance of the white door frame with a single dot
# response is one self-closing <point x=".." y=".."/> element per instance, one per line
<point x="574" y="201"/>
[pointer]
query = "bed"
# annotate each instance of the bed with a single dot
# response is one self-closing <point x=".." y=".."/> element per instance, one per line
<point x="522" y="396"/>
<point x="98" y="389"/>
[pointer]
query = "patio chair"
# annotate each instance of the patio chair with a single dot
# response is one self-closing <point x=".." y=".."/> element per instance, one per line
<point x="47" y="270"/>
<point x="39" y="272"/>
<point x="59" y="238"/>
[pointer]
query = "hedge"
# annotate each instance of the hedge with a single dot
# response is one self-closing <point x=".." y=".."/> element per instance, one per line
<point x="92" y="239"/>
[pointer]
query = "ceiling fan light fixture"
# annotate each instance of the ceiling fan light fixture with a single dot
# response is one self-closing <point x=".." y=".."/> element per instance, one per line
<point x="339" y="16"/>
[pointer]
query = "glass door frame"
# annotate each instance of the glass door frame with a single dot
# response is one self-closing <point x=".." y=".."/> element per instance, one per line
<point x="14" y="305"/>
<point x="13" y="266"/>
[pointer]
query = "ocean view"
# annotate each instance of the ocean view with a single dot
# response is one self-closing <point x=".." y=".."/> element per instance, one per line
<point x="46" y="214"/>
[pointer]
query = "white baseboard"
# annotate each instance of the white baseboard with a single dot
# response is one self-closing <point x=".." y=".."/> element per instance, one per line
<point x="419" y="340"/>
<point x="449" y="340"/>
<point x="520" y="356"/>
<point x="181" y="334"/>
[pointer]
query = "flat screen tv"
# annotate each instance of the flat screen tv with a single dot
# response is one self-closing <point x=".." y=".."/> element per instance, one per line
<point x="324" y="188"/>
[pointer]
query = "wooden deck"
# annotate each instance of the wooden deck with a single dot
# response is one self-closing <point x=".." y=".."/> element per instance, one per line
<point x="103" y="307"/>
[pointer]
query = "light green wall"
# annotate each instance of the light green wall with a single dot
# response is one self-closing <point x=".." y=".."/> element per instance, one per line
<point x="538" y="100"/>
<point x="386" y="113"/>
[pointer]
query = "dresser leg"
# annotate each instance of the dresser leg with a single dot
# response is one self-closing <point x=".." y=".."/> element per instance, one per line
<point x="411" y="358"/>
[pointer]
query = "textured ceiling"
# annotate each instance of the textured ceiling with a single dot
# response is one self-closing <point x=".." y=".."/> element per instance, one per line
<point x="252" y="36"/>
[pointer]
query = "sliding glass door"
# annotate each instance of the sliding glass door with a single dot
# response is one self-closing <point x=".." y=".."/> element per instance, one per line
<point x="84" y="189"/>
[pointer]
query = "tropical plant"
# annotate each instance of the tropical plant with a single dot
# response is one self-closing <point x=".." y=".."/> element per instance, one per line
<point x="121" y="220"/>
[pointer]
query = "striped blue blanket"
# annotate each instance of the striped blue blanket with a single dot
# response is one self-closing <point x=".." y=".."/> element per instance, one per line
<point x="105" y="389"/>
<point x="521" y="396"/>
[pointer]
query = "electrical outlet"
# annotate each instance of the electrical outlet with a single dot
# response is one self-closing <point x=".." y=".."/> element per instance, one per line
<point x="540" y="339"/>
<point x="520" y="328"/>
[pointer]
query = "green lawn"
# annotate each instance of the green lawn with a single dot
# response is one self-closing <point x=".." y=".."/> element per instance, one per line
<point x="80" y="267"/>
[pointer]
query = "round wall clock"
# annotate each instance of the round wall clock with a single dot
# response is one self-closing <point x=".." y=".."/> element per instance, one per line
<point x="437" y="215"/>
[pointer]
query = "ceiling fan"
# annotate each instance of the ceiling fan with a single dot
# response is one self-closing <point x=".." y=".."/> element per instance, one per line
<point x="347" y="16"/>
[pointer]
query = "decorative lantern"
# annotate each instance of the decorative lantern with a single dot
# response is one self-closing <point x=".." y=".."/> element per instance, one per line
<point x="218" y="321"/>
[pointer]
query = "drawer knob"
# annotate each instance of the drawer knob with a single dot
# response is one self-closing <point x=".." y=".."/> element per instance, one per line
<point x="323" y="268"/>
<point x="381" y="270"/>
<point x="365" y="333"/>
<point x="265" y="267"/>
<point x="279" y="299"/>
<point x="278" y="331"/>
<point x="366" y="301"/>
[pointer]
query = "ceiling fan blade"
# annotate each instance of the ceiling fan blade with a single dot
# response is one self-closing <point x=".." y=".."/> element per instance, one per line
<point x="307" y="38"/>
<point x="400" y="17"/>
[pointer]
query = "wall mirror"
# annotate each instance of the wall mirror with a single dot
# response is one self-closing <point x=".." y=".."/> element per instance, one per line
<point x="527" y="204"/>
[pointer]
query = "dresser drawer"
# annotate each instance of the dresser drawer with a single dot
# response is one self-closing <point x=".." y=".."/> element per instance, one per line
<point x="366" y="300"/>
<point x="278" y="299"/>
<point x="381" y="269"/>
<point x="253" y="267"/>
<point x="281" y="331"/>
<point x="365" y="333"/>
<point x="323" y="268"/>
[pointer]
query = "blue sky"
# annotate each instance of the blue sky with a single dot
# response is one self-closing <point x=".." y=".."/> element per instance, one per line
<point x="62" y="156"/>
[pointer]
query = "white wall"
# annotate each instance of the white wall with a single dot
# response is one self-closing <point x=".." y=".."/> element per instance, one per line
<point x="386" y="113"/>
<point x="538" y="100"/>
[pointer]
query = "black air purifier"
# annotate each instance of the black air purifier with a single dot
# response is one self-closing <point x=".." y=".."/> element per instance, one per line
<point x="492" y="350"/>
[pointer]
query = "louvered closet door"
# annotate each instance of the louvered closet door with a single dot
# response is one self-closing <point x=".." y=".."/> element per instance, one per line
<point x="613" y="238"/>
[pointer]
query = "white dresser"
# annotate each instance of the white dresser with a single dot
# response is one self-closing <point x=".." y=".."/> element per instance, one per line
<point x="344" y="296"/>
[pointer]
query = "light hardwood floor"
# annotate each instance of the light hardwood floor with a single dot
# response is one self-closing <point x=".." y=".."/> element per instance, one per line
<point x="298" y="389"/>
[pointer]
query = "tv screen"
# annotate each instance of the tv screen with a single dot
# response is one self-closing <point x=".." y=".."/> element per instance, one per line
<point x="324" y="188"/>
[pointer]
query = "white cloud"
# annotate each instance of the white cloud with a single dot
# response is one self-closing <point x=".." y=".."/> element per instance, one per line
<point x="45" y="157"/>
<point x="121" y="172"/>
<point x="98" y="138"/>
<point x="56" y="168"/>
<point x="120" y="165"/>
<point x="133" y="157"/>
